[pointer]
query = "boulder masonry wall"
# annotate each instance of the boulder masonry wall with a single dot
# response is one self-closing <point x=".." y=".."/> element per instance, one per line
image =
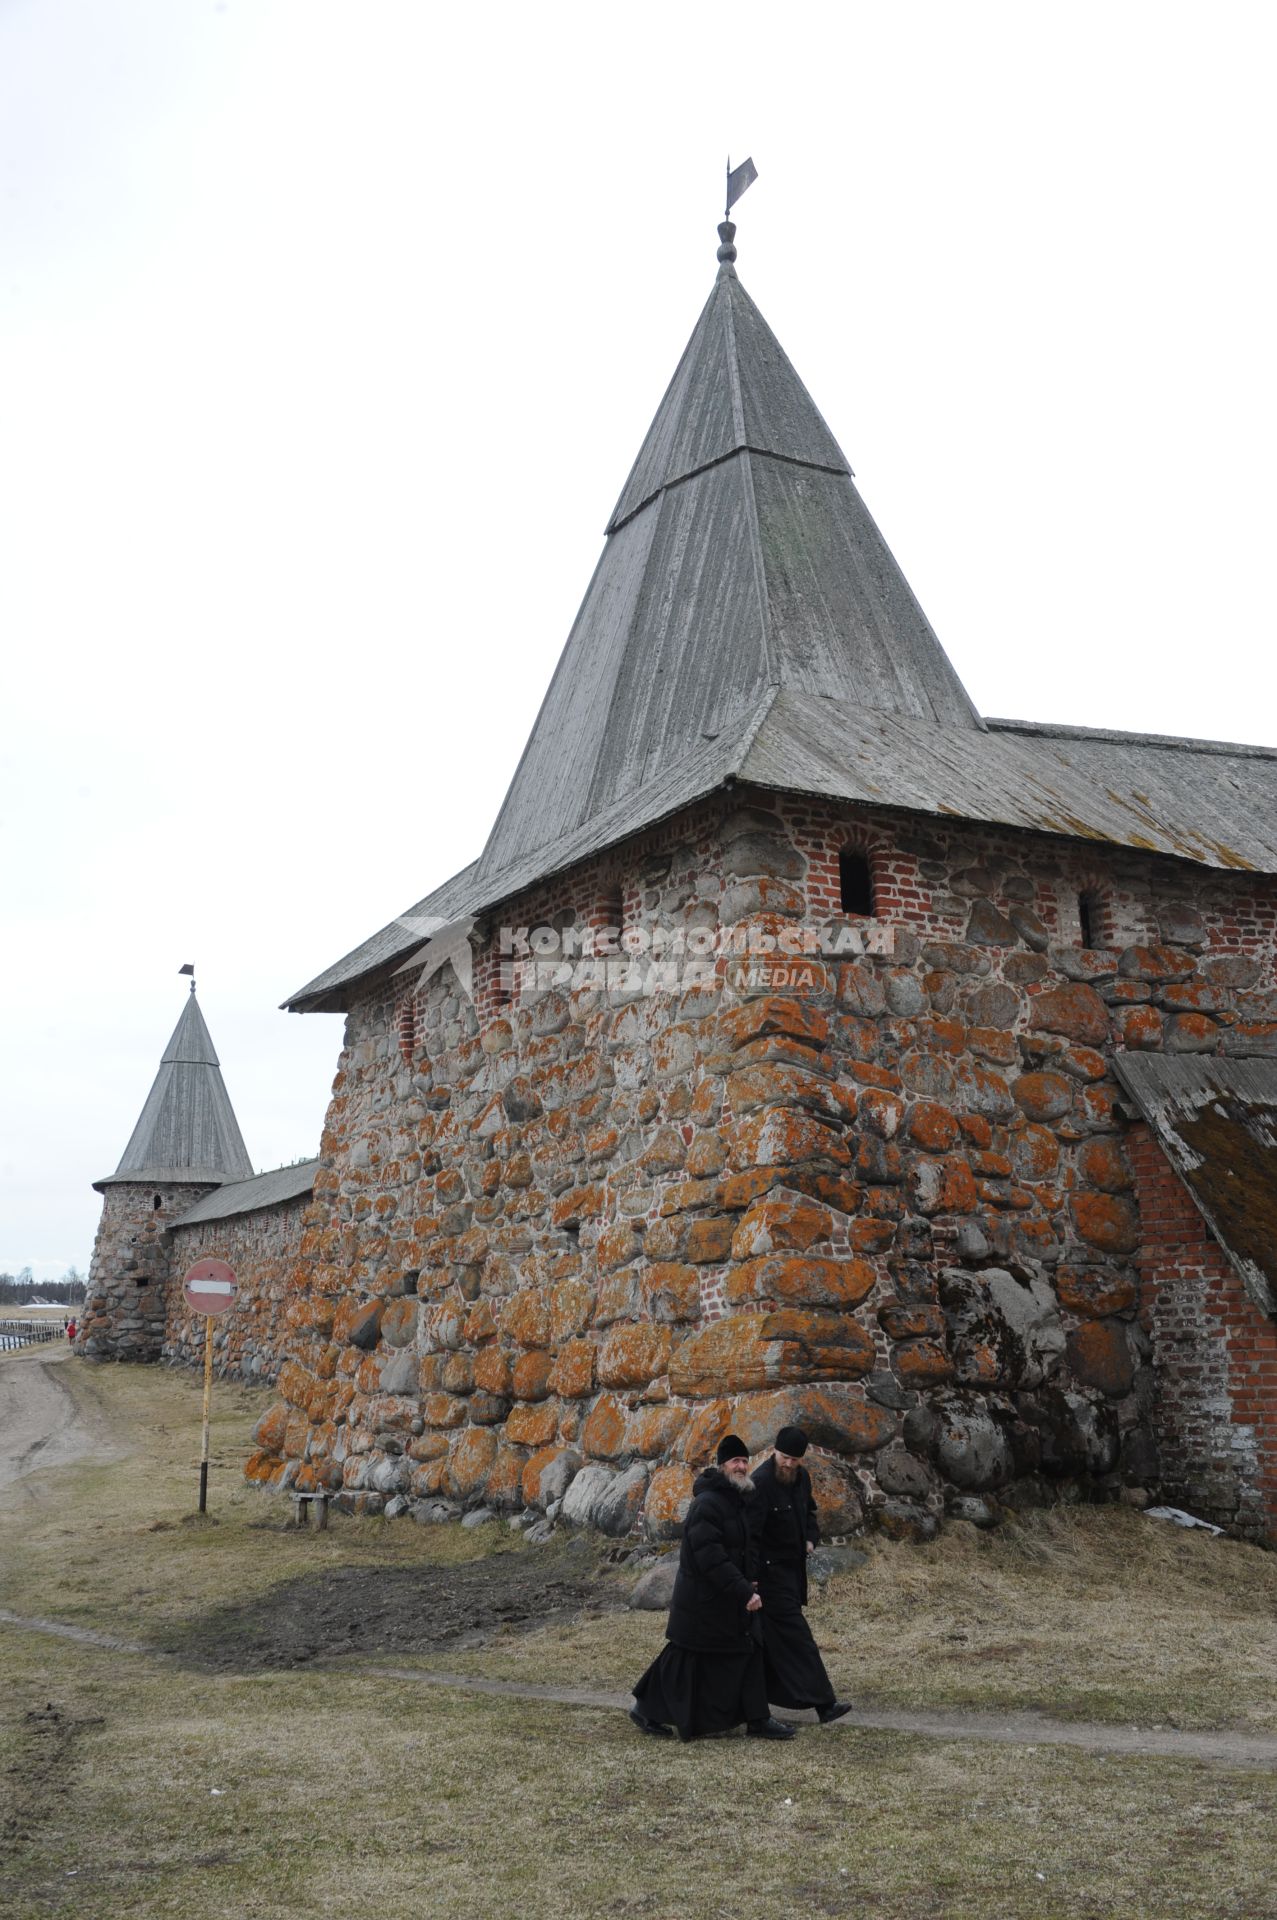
<point x="568" y="1232"/>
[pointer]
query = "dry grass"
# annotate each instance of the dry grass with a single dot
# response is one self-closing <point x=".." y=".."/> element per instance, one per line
<point x="117" y="1545"/>
<point x="1099" y="1614"/>
<point x="1096" y="1614"/>
<point x="340" y="1795"/>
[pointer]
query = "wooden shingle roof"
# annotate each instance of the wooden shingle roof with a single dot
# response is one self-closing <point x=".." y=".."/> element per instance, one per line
<point x="187" y="1132"/>
<point x="747" y="621"/>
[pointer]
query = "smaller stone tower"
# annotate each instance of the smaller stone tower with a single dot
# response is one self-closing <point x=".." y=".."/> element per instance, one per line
<point x="186" y="1143"/>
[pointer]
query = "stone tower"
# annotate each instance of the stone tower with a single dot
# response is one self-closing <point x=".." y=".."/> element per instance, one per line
<point x="825" y="1053"/>
<point x="186" y="1143"/>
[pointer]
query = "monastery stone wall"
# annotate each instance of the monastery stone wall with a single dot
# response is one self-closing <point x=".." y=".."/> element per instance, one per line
<point x="564" y="1237"/>
<point x="263" y="1248"/>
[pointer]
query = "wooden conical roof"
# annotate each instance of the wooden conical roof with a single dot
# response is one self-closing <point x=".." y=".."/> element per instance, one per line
<point x="187" y="1131"/>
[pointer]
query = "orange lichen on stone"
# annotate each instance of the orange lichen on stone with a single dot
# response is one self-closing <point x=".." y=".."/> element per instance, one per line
<point x="531" y="1374"/>
<point x="802" y="1280"/>
<point x="669" y="1494"/>
<point x="572" y="1374"/>
<point x="492" y="1370"/>
<point x="709" y="1239"/>
<point x="442" y="1410"/>
<point x="932" y="1127"/>
<point x="782" y="1137"/>
<point x="1102" y="1163"/>
<point x="781" y="1221"/>
<point x="1156" y="964"/>
<point x="835" y="1416"/>
<point x="922" y="1361"/>
<point x="737" y="1190"/>
<point x="881" y="1112"/>
<point x="671" y="1291"/>
<point x="525" y="1319"/>
<point x="1035" y="1153"/>
<point x="571" y="1305"/>
<point x="481" y="1323"/>
<point x="911" y="1320"/>
<point x="650" y="1431"/>
<point x="776" y="1013"/>
<point x="457" y="1375"/>
<point x="1042" y="1096"/>
<point x="1076" y="1011"/>
<point x="631" y="1356"/>
<point x="777" y="1084"/>
<point x="706" y="1156"/>
<point x="1099" y="1355"/>
<point x="532" y="1424"/>
<point x="603" y="1435"/>
<point x="1095" y="1292"/>
<point x="706" y="1428"/>
<point x="580" y="1203"/>
<point x="1141" y="1028"/>
<point x="471" y="1458"/>
<point x="530" y="1479"/>
<point x="836" y="1492"/>
<point x="746" y="1351"/>
<point x="271" y="1428"/>
<point x="1107" y="1221"/>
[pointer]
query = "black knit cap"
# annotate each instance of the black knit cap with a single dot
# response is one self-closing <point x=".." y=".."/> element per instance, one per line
<point x="730" y="1448"/>
<point x="793" y="1441"/>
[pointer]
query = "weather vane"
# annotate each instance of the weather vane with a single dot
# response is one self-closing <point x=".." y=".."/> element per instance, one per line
<point x="738" y="179"/>
<point x="188" y="968"/>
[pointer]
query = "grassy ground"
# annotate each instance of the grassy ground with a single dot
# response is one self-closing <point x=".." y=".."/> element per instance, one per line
<point x="340" y="1792"/>
<point x="1098" y="1614"/>
<point x="169" y="1794"/>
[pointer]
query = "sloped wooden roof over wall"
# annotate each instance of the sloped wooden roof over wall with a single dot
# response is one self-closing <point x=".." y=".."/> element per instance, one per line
<point x="1217" y="1121"/>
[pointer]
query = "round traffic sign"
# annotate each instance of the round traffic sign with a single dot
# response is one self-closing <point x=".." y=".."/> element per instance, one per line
<point x="209" y="1287"/>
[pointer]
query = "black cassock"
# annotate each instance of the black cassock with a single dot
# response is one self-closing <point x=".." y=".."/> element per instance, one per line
<point x="782" y="1521"/>
<point x="709" y="1676"/>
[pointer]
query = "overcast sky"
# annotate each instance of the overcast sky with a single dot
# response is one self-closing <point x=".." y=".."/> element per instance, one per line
<point x="328" y="334"/>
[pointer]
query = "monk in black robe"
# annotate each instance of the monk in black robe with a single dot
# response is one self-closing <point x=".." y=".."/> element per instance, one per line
<point x="709" y="1676"/>
<point x="784" y="1530"/>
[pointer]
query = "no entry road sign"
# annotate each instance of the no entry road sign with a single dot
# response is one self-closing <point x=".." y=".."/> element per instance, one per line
<point x="209" y="1287"/>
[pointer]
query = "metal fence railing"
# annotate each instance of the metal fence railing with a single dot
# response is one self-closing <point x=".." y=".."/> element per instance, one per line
<point x="27" y="1333"/>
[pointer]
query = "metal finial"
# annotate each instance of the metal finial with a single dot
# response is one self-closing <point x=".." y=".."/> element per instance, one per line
<point x="188" y="968"/>
<point x="726" y="251"/>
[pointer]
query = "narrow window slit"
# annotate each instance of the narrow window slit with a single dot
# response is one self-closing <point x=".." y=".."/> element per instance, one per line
<point x="855" y="884"/>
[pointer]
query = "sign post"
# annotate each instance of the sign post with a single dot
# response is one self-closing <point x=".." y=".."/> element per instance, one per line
<point x="209" y="1288"/>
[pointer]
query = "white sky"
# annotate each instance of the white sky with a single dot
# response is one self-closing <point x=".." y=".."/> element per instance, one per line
<point x="328" y="334"/>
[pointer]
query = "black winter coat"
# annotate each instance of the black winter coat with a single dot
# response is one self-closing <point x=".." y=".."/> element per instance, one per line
<point x="767" y="1532"/>
<point x="715" y="1570"/>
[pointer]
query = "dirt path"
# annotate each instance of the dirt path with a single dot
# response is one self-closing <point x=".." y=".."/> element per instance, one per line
<point x="42" y="1424"/>
<point x="1218" y="1748"/>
